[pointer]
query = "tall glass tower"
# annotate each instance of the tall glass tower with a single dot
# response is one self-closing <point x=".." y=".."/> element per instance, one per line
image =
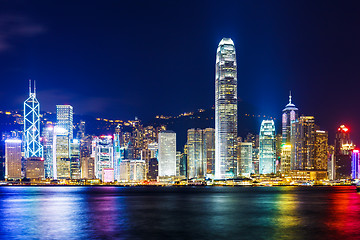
<point x="267" y="147"/>
<point x="225" y="110"/>
<point x="289" y="115"/>
<point x="33" y="147"/>
<point x="64" y="118"/>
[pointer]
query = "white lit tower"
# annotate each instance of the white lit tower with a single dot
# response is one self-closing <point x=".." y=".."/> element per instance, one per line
<point x="33" y="147"/>
<point x="225" y="110"/>
<point x="64" y="118"/>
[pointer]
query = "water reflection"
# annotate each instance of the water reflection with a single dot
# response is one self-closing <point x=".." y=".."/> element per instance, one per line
<point x="179" y="213"/>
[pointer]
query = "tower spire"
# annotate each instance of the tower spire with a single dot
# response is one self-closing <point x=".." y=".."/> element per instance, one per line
<point x="29" y="87"/>
<point x="34" y="87"/>
<point x="290" y="97"/>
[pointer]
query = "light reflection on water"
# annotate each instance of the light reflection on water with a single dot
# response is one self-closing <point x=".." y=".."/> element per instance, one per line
<point x="179" y="213"/>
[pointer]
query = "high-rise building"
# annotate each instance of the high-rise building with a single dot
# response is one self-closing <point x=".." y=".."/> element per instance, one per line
<point x="321" y="150"/>
<point x="61" y="160"/>
<point x="152" y="173"/>
<point x="87" y="168"/>
<point x="303" y="143"/>
<point x="12" y="159"/>
<point x="33" y="147"/>
<point x="48" y="136"/>
<point x="285" y="159"/>
<point x="331" y="162"/>
<point x="254" y="139"/>
<point x="196" y="153"/>
<point x="245" y="159"/>
<point x="290" y="114"/>
<point x="75" y="169"/>
<point x="103" y="153"/>
<point x="355" y="164"/>
<point x="209" y="148"/>
<point x="225" y="110"/>
<point x="343" y="150"/>
<point x="267" y="144"/>
<point x="167" y="153"/>
<point x="64" y="118"/>
<point x="34" y="168"/>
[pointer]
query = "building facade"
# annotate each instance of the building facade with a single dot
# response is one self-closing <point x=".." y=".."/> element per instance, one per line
<point x="267" y="144"/>
<point x="225" y="110"/>
<point x="167" y="153"/>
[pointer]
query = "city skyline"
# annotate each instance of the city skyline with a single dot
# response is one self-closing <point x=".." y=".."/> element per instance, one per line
<point x="270" y="64"/>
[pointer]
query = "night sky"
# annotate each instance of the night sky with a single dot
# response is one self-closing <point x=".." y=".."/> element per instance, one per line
<point x="121" y="59"/>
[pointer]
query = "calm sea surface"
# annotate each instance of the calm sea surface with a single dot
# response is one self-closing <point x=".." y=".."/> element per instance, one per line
<point x="179" y="213"/>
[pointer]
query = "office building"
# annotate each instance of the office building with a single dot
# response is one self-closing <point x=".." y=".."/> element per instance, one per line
<point x="245" y="159"/>
<point x="61" y="160"/>
<point x="12" y="159"/>
<point x="33" y="147"/>
<point x="167" y="153"/>
<point x="343" y="150"/>
<point x="209" y="148"/>
<point x="285" y="159"/>
<point x="267" y="151"/>
<point x="34" y="168"/>
<point x="321" y="150"/>
<point x="103" y="153"/>
<point x="75" y="170"/>
<point x="355" y="173"/>
<point x="196" y="154"/>
<point x="303" y="143"/>
<point x="289" y="114"/>
<point x="64" y="118"/>
<point x="225" y="110"/>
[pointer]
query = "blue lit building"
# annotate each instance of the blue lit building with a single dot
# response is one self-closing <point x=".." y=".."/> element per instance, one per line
<point x="267" y="150"/>
<point x="33" y="147"/>
<point x="355" y="164"/>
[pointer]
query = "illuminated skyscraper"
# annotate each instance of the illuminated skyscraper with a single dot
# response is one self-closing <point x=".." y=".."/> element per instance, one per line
<point x="75" y="170"/>
<point x="196" y="153"/>
<point x="48" y="137"/>
<point x="285" y="159"/>
<point x="303" y="143"/>
<point x="209" y="147"/>
<point x="225" y="110"/>
<point x="12" y="159"/>
<point x="267" y="151"/>
<point x="61" y="160"/>
<point x="103" y="153"/>
<point x="355" y="173"/>
<point x="290" y="114"/>
<point x="33" y="146"/>
<point x="167" y="153"/>
<point x="321" y="150"/>
<point x="64" y="118"/>
<point x="245" y="159"/>
<point x="343" y="150"/>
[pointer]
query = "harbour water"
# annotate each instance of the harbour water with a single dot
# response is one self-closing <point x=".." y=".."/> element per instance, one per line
<point x="179" y="212"/>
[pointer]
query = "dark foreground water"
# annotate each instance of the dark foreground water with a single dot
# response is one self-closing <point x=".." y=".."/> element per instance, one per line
<point x="179" y="213"/>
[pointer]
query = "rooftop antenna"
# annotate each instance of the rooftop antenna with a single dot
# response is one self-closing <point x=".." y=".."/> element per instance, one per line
<point x="29" y="87"/>
<point x="34" y="87"/>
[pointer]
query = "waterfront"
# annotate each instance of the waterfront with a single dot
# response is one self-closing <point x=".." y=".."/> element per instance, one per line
<point x="179" y="212"/>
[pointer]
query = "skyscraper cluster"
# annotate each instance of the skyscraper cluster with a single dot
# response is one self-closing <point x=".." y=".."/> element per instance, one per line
<point x="137" y="153"/>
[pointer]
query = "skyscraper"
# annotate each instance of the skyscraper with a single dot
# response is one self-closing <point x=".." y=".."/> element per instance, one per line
<point x="321" y="150"/>
<point x="48" y="138"/>
<point x="103" y="153"/>
<point x="33" y="147"/>
<point x="267" y="143"/>
<point x="343" y="149"/>
<point x="225" y="110"/>
<point x="196" y="153"/>
<point x="245" y="159"/>
<point x="355" y="173"/>
<point x="167" y="154"/>
<point x="303" y="143"/>
<point x="12" y="159"/>
<point x="61" y="148"/>
<point x="209" y="147"/>
<point x="290" y="114"/>
<point x="64" y="118"/>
